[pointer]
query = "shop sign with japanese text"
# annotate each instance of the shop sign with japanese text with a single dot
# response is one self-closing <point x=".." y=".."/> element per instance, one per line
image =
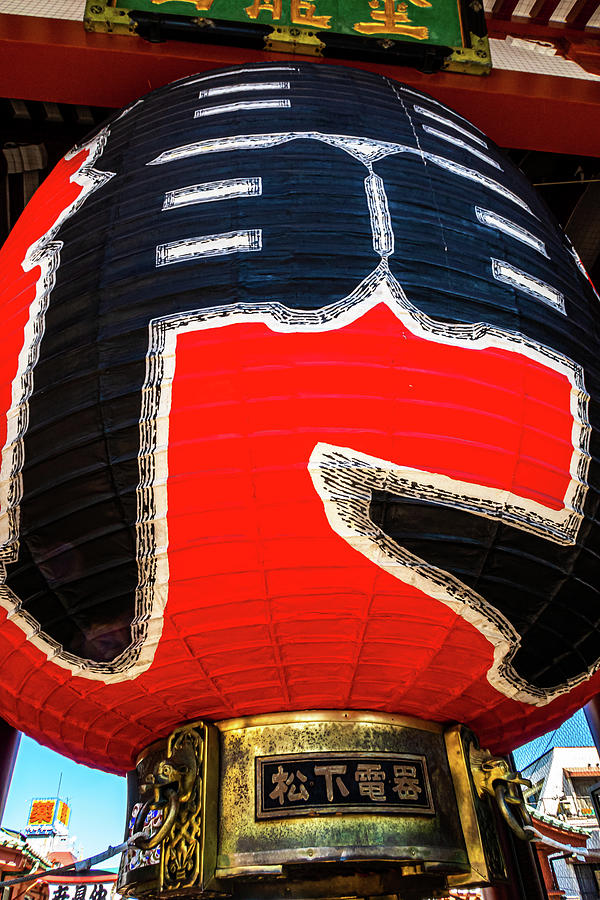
<point x="79" y="891"/>
<point x="45" y="815"/>
<point x="427" y="21"/>
<point x="305" y="783"/>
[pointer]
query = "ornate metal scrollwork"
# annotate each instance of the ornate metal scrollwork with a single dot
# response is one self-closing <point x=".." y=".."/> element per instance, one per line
<point x="176" y="785"/>
<point x="492" y="775"/>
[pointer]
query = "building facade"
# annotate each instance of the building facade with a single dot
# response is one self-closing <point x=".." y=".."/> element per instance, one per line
<point x="18" y="858"/>
<point x="563" y="811"/>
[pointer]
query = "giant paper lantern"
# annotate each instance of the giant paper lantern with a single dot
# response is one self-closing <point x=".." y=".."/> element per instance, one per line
<point x="299" y="389"/>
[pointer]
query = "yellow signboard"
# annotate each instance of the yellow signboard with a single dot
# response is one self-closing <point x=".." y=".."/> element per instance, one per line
<point x="45" y="815"/>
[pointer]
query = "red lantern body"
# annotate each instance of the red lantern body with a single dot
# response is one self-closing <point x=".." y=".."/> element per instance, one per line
<point x="298" y="412"/>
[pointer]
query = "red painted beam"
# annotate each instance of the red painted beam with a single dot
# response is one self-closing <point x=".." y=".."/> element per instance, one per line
<point x="9" y="746"/>
<point x="581" y="13"/>
<point x="586" y="55"/>
<point x="542" y="10"/>
<point x="582" y="47"/>
<point x="503" y="9"/>
<point x="538" y="31"/>
<point x="45" y="59"/>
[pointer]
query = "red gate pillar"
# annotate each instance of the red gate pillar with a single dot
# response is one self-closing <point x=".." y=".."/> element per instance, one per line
<point x="9" y="745"/>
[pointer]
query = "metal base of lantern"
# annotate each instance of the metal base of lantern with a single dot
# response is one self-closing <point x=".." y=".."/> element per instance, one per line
<point x="312" y="804"/>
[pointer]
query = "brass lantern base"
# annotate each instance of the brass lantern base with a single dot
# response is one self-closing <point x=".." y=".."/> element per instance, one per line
<point x="314" y="804"/>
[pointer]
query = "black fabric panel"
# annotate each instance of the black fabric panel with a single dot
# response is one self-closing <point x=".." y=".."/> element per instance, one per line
<point x="549" y="593"/>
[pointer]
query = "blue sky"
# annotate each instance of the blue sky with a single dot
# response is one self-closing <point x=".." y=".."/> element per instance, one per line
<point x="97" y="800"/>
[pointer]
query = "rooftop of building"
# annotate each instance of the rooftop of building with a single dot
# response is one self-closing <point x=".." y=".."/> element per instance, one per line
<point x="583" y="772"/>
<point x="559" y="824"/>
<point x="14" y="840"/>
